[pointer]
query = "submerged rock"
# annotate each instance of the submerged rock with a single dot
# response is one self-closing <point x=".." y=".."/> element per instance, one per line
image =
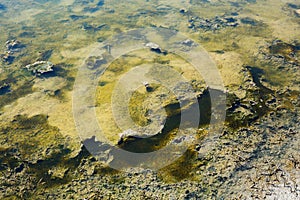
<point x="152" y="45"/>
<point x="249" y="21"/>
<point x="294" y="6"/>
<point x="292" y="9"/>
<point x="7" y="57"/>
<point x="12" y="48"/>
<point x="4" y="88"/>
<point x="91" y="9"/>
<point x="40" y="67"/>
<point x="147" y="86"/>
<point x="94" y="28"/>
<point x="155" y="47"/>
<point x="189" y="43"/>
<point x="77" y="17"/>
<point x="297" y="12"/>
<point x="183" y="11"/>
<point x="14" y="45"/>
<point x="220" y="22"/>
<point x="213" y="24"/>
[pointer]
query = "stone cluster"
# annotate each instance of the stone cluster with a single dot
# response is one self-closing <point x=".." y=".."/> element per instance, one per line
<point x="40" y="67"/>
<point x="12" y="47"/>
<point x="213" y="24"/>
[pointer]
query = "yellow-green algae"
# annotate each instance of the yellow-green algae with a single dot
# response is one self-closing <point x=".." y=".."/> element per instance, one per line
<point x="69" y="45"/>
<point x="122" y="65"/>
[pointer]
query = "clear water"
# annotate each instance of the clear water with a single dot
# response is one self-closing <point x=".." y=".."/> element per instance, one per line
<point x="255" y="46"/>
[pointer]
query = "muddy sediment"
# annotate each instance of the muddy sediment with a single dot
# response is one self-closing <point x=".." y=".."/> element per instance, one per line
<point x="255" y="45"/>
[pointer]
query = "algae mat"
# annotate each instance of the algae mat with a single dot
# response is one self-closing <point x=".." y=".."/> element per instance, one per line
<point x="253" y="153"/>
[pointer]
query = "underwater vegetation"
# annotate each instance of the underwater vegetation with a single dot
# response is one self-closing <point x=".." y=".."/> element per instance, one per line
<point x="255" y="45"/>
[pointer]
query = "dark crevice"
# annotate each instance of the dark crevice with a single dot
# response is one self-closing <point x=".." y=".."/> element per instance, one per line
<point x="173" y="121"/>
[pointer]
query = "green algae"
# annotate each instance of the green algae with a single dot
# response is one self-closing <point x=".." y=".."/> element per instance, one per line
<point x="236" y="120"/>
<point x="226" y="40"/>
<point x="67" y="72"/>
<point x="184" y="168"/>
<point x="20" y="91"/>
<point x="233" y="39"/>
<point x="288" y="51"/>
<point x="169" y="131"/>
<point x="32" y="145"/>
<point x="31" y="135"/>
<point x="136" y="109"/>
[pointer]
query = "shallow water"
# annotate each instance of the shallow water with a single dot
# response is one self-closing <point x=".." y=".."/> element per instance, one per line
<point x="255" y="45"/>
